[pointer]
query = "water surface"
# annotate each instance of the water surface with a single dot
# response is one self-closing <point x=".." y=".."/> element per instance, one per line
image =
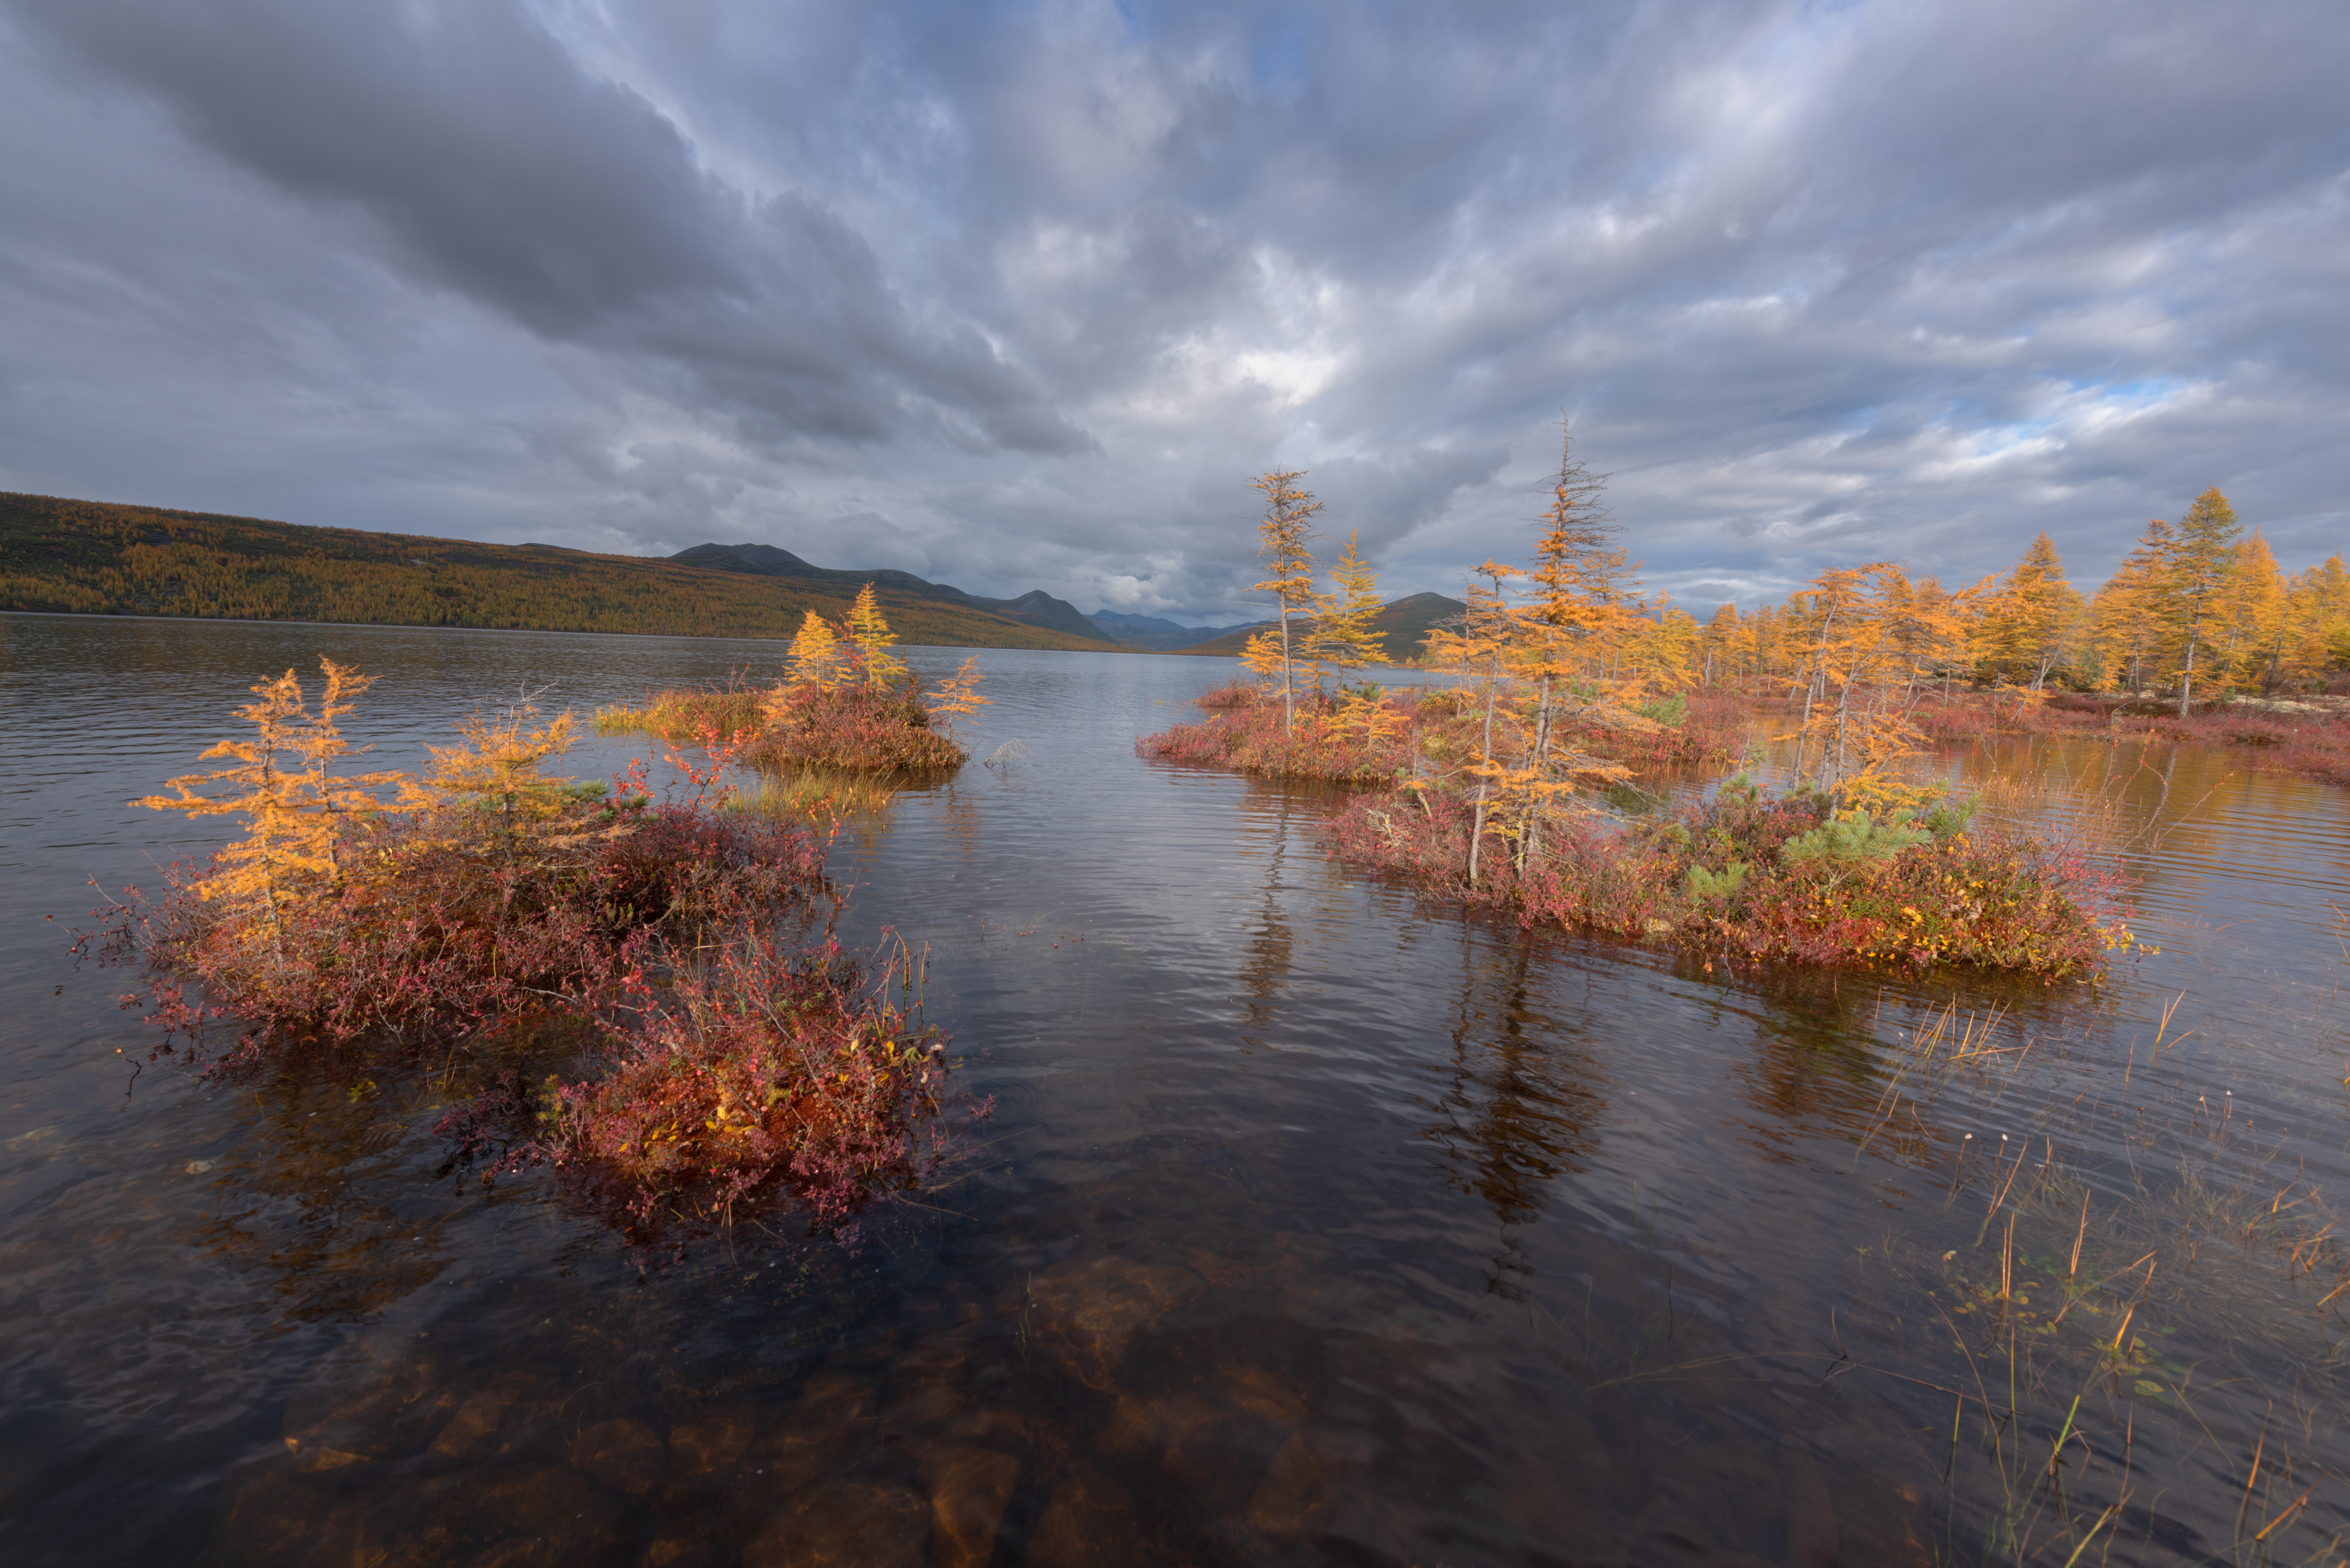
<point x="1311" y="1224"/>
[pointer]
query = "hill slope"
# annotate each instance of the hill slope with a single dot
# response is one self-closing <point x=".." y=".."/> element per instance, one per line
<point x="1402" y="625"/>
<point x="1035" y="607"/>
<point x="98" y="558"/>
<point x="1152" y="632"/>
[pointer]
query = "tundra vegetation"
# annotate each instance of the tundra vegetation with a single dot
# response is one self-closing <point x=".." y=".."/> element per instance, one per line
<point x="87" y="558"/>
<point x="1566" y="678"/>
<point x="716" y="1052"/>
<point x="847" y="715"/>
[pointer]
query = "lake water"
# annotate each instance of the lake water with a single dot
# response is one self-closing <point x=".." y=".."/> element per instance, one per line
<point x="1312" y="1224"/>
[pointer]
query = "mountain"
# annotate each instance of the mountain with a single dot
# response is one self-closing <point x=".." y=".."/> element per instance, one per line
<point x="1153" y="633"/>
<point x="1402" y="625"/>
<point x="1036" y="608"/>
<point x="96" y="558"/>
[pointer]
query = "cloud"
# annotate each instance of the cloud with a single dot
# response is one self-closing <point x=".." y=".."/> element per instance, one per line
<point x="1020" y="296"/>
<point x="490" y="165"/>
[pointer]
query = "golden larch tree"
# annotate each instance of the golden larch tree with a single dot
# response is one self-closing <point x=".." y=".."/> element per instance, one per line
<point x="298" y="808"/>
<point x="870" y="636"/>
<point x="2129" y="618"/>
<point x="2028" y="623"/>
<point x="2202" y="567"/>
<point x="2254" y="614"/>
<point x="1282" y="537"/>
<point x="1342" y="636"/>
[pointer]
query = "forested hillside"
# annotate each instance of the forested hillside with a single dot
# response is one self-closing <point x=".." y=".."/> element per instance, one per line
<point x="98" y="558"/>
<point x="1401" y="625"/>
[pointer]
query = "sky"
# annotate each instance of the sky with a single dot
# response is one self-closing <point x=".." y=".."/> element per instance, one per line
<point x="1022" y="297"/>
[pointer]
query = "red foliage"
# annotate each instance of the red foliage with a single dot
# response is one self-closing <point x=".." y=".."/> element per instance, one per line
<point x="713" y="1068"/>
<point x="1232" y="694"/>
<point x="755" y="1073"/>
<point x="856" y="728"/>
<point x="1249" y="737"/>
<point x="1987" y="899"/>
<point x="1713" y="729"/>
<point x="2298" y="738"/>
<point x="1332" y="740"/>
<point x="452" y="934"/>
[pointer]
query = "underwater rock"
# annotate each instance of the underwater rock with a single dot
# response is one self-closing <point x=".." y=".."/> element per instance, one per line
<point x="397" y="1413"/>
<point x="1319" y="1485"/>
<point x="495" y="1518"/>
<point x="711" y="1447"/>
<point x="282" y="1517"/>
<point x="623" y="1455"/>
<point x="1088" y="1510"/>
<point x="846" y="1524"/>
<point x="970" y="1489"/>
<point x="1092" y="1311"/>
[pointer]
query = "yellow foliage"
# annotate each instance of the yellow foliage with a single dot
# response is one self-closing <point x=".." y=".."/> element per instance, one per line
<point x="499" y="770"/>
<point x="1342" y="637"/>
<point x="1280" y="545"/>
<point x="299" y="811"/>
<point x="871" y="637"/>
<point x="1264" y="658"/>
<point x="1874" y="638"/>
<point x="816" y="658"/>
<point x="958" y="695"/>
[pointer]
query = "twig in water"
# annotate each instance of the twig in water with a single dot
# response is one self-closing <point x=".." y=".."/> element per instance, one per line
<point x="2290" y="1509"/>
<point x="2245" y="1507"/>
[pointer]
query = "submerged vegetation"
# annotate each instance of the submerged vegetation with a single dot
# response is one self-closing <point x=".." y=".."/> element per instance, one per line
<point x="1566" y="681"/>
<point x="483" y="906"/>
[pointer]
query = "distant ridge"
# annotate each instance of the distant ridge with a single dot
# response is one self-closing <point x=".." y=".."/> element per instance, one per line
<point x="94" y="558"/>
<point x="1402" y="626"/>
<point x="1152" y="632"/>
<point x="1036" y="608"/>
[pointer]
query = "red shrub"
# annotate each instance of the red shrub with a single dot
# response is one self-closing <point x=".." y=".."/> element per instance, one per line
<point x="1989" y="899"/>
<point x="755" y="1073"/>
<point x="1232" y="694"/>
<point x="1332" y="740"/>
<point x="447" y="934"/>
<point x="854" y="727"/>
<point x="1251" y="738"/>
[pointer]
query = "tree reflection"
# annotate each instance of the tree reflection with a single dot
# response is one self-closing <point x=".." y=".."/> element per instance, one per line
<point x="1521" y="1103"/>
<point x="1271" y="947"/>
<point x="323" y="1196"/>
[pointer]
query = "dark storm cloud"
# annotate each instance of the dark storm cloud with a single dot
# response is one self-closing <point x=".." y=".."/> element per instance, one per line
<point x="1021" y="296"/>
<point x="495" y="167"/>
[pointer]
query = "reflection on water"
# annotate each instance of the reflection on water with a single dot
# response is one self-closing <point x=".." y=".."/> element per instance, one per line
<point x="1519" y="1105"/>
<point x="1313" y="1225"/>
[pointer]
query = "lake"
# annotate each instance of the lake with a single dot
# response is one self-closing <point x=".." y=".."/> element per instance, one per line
<point x="1312" y="1224"/>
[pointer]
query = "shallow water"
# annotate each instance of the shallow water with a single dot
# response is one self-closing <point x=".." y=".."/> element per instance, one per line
<point x="1311" y="1224"/>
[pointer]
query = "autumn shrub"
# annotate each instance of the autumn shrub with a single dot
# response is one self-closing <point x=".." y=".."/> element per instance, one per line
<point x="1231" y="694"/>
<point x="757" y="1073"/>
<point x="1696" y="729"/>
<point x="682" y="718"/>
<point x="715" y="1065"/>
<point x="848" y="706"/>
<point x="1358" y="743"/>
<point x="1370" y="735"/>
<point x="2312" y="742"/>
<point x="1974" y="716"/>
<point x="1751" y="876"/>
<point x="440" y="921"/>
<point x="853" y="728"/>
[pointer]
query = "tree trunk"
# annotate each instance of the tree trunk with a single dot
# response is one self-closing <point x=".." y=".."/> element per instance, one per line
<point x="1484" y="784"/>
<point x="1288" y="707"/>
